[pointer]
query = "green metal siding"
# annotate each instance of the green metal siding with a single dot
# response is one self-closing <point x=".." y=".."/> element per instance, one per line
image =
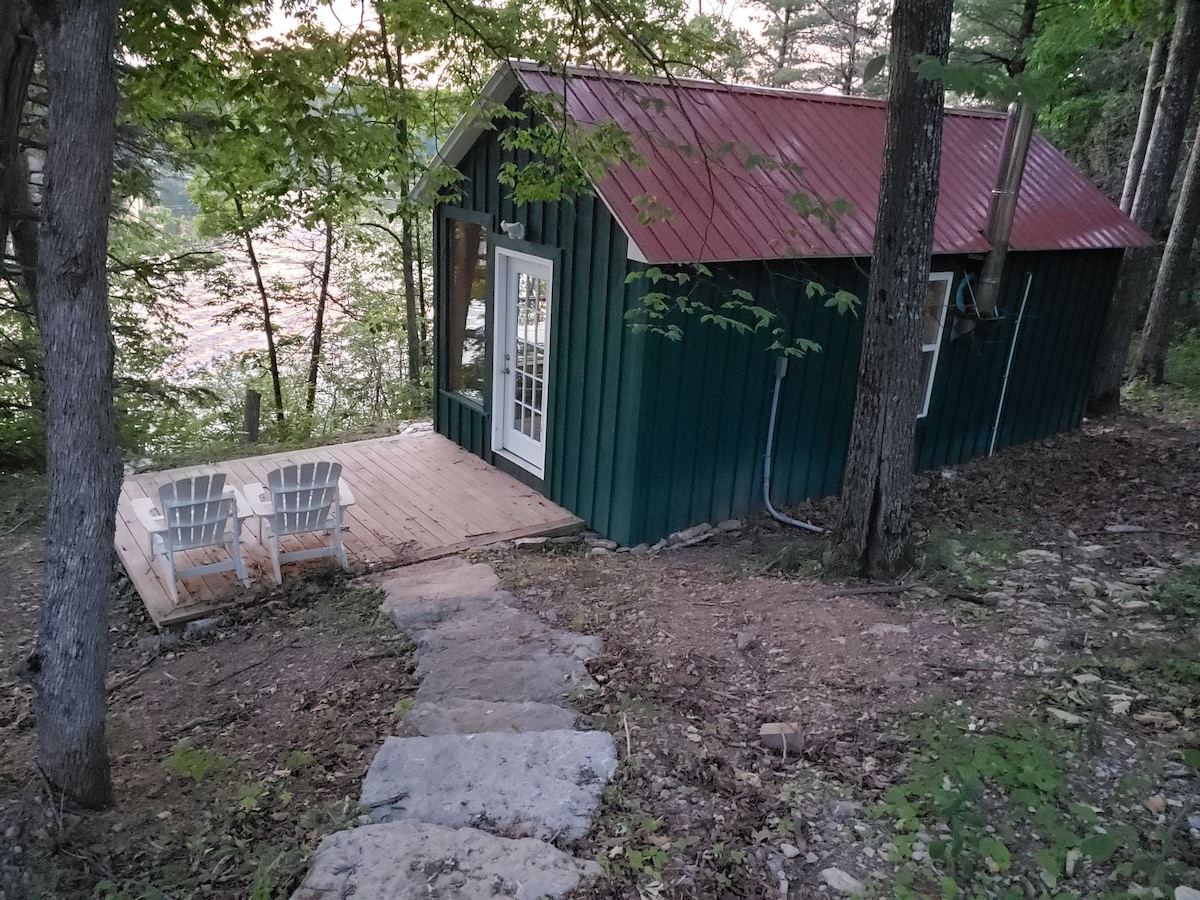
<point x="595" y="360"/>
<point x="706" y="399"/>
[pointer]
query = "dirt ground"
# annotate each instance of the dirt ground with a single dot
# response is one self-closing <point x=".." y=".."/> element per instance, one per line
<point x="1048" y="612"/>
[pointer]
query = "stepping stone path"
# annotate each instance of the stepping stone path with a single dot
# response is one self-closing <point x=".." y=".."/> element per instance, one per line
<point x="487" y="767"/>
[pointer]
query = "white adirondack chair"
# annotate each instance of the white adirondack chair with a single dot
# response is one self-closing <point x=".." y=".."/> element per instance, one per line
<point x="301" y="500"/>
<point x="194" y="513"/>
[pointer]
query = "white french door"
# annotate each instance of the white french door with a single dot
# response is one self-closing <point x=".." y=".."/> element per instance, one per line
<point x="521" y="357"/>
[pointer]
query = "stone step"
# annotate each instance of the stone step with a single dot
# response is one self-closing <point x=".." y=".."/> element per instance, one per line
<point x="541" y="784"/>
<point x="420" y="596"/>
<point x="478" y="716"/>
<point x="494" y="625"/>
<point x="466" y="672"/>
<point x="408" y="860"/>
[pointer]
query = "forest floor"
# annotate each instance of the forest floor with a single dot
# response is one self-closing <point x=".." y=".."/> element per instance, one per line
<point x="1016" y="718"/>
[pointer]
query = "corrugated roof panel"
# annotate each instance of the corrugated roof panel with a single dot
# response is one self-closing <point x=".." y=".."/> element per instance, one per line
<point x="728" y="162"/>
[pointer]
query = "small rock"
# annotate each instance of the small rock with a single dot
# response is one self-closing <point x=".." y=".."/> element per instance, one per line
<point x="783" y="737"/>
<point x="842" y="882"/>
<point x="660" y="545"/>
<point x="601" y="542"/>
<point x="532" y="543"/>
<point x="600" y="551"/>
<point x="639" y="550"/>
<point x="811" y="858"/>
<point x="730" y="525"/>
<point x="551" y="616"/>
<point x="1041" y="644"/>
<point x="689" y="534"/>
<point x="746" y="641"/>
<point x="1036" y="556"/>
<point x="1156" y="804"/>
<point x="844" y="809"/>
<point x="789" y="851"/>
<point x="908" y="681"/>
<point x="565" y="540"/>
<point x="202" y="626"/>
<point x="882" y="628"/>
<point x="1091" y="551"/>
<point x="1183" y="892"/>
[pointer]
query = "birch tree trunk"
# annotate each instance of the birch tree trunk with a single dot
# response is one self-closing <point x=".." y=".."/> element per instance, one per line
<point x="1141" y="139"/>
<point x="68" y="664"/>
<point x="1150" y="209"/>
<point x="1160" y="319"/>
<point x="877" y="486"/>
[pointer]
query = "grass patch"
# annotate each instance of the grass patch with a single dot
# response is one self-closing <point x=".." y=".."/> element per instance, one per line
<point x="1179" y="399"/>
<point x="1179" y="595"/>
<point x="956" y="558"/>
<point x="988" y="809"/>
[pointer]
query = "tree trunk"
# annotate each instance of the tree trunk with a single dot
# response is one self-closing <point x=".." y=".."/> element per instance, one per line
<point x="1160" y="320"/>
<point x="411" y="323"/>
<point x="1150" y="208"/>
<point x="877" y="486"/>
<point x="423" y="310"/>
<point x="18" y="216"/>
<point x="265" y="305"/>
<point x="314" y="362"/>
<point x="69" y="662"/>
<point x="1141" y="139"/>
<point x="395" y="77"/>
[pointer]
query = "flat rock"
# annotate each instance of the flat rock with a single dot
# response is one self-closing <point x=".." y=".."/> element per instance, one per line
<point x="882" y="628"/>
<point x="422" y="595"/>
<point x="547" y="783"/>
<point x="499" y="631"/>
<point x="500" y="671"/>
<point x="478" y="716"/>
<point x="842" y="882"/>
<point x="407" y="861"/>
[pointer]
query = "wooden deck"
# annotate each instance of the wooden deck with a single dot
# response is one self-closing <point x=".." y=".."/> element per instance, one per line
<point x="417" y="497"/>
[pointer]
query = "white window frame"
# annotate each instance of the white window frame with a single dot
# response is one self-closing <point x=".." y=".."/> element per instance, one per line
<point x="934" y="348"/>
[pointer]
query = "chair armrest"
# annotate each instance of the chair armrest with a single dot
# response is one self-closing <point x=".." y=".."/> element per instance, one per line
<point x="345" y="495"/>
<point x="244" y="509"/>
<point x="258" y="498"/>
<point x="151" y="518"/>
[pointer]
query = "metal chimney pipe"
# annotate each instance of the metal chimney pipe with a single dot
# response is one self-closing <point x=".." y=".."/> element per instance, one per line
<point x="1002" y="208"/>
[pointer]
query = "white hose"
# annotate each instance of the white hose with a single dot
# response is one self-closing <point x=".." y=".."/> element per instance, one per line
<point x="780" y="371"/>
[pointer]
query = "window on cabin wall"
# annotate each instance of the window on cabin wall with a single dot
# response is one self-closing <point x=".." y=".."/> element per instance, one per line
<point x="933" y="323"/>
<point x="466" y="313"/>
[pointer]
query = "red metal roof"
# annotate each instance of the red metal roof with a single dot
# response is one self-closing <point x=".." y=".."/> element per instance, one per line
<point x="724" y="160"/>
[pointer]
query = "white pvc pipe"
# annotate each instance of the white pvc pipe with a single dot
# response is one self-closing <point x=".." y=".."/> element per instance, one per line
<point x="780" y="371"/>
<point x="1012" y="351"/>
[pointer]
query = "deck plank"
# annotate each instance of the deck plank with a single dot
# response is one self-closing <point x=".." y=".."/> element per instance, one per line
<point x="417" y="497"/>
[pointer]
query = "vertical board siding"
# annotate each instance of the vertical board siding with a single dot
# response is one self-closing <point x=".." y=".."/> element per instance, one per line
<point x="1057" y="343"/>
<point x="706" y="400"/>
<point x="592" y="414"/>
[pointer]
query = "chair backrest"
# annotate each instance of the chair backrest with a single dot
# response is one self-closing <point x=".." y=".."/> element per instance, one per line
<point x="303" y="497"/>
<point x="196" y="511"/>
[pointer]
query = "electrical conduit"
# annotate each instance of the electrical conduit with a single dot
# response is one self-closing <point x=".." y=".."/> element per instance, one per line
<point x="780" y="371"/>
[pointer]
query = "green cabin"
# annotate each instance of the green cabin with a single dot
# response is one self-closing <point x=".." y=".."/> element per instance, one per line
<point x="771" y="195"/>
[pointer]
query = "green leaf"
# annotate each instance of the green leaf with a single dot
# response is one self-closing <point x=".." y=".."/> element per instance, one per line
<point x="873" y="67"/>
<point x="995" y="850"/>
<point x="1100" y="847"/>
